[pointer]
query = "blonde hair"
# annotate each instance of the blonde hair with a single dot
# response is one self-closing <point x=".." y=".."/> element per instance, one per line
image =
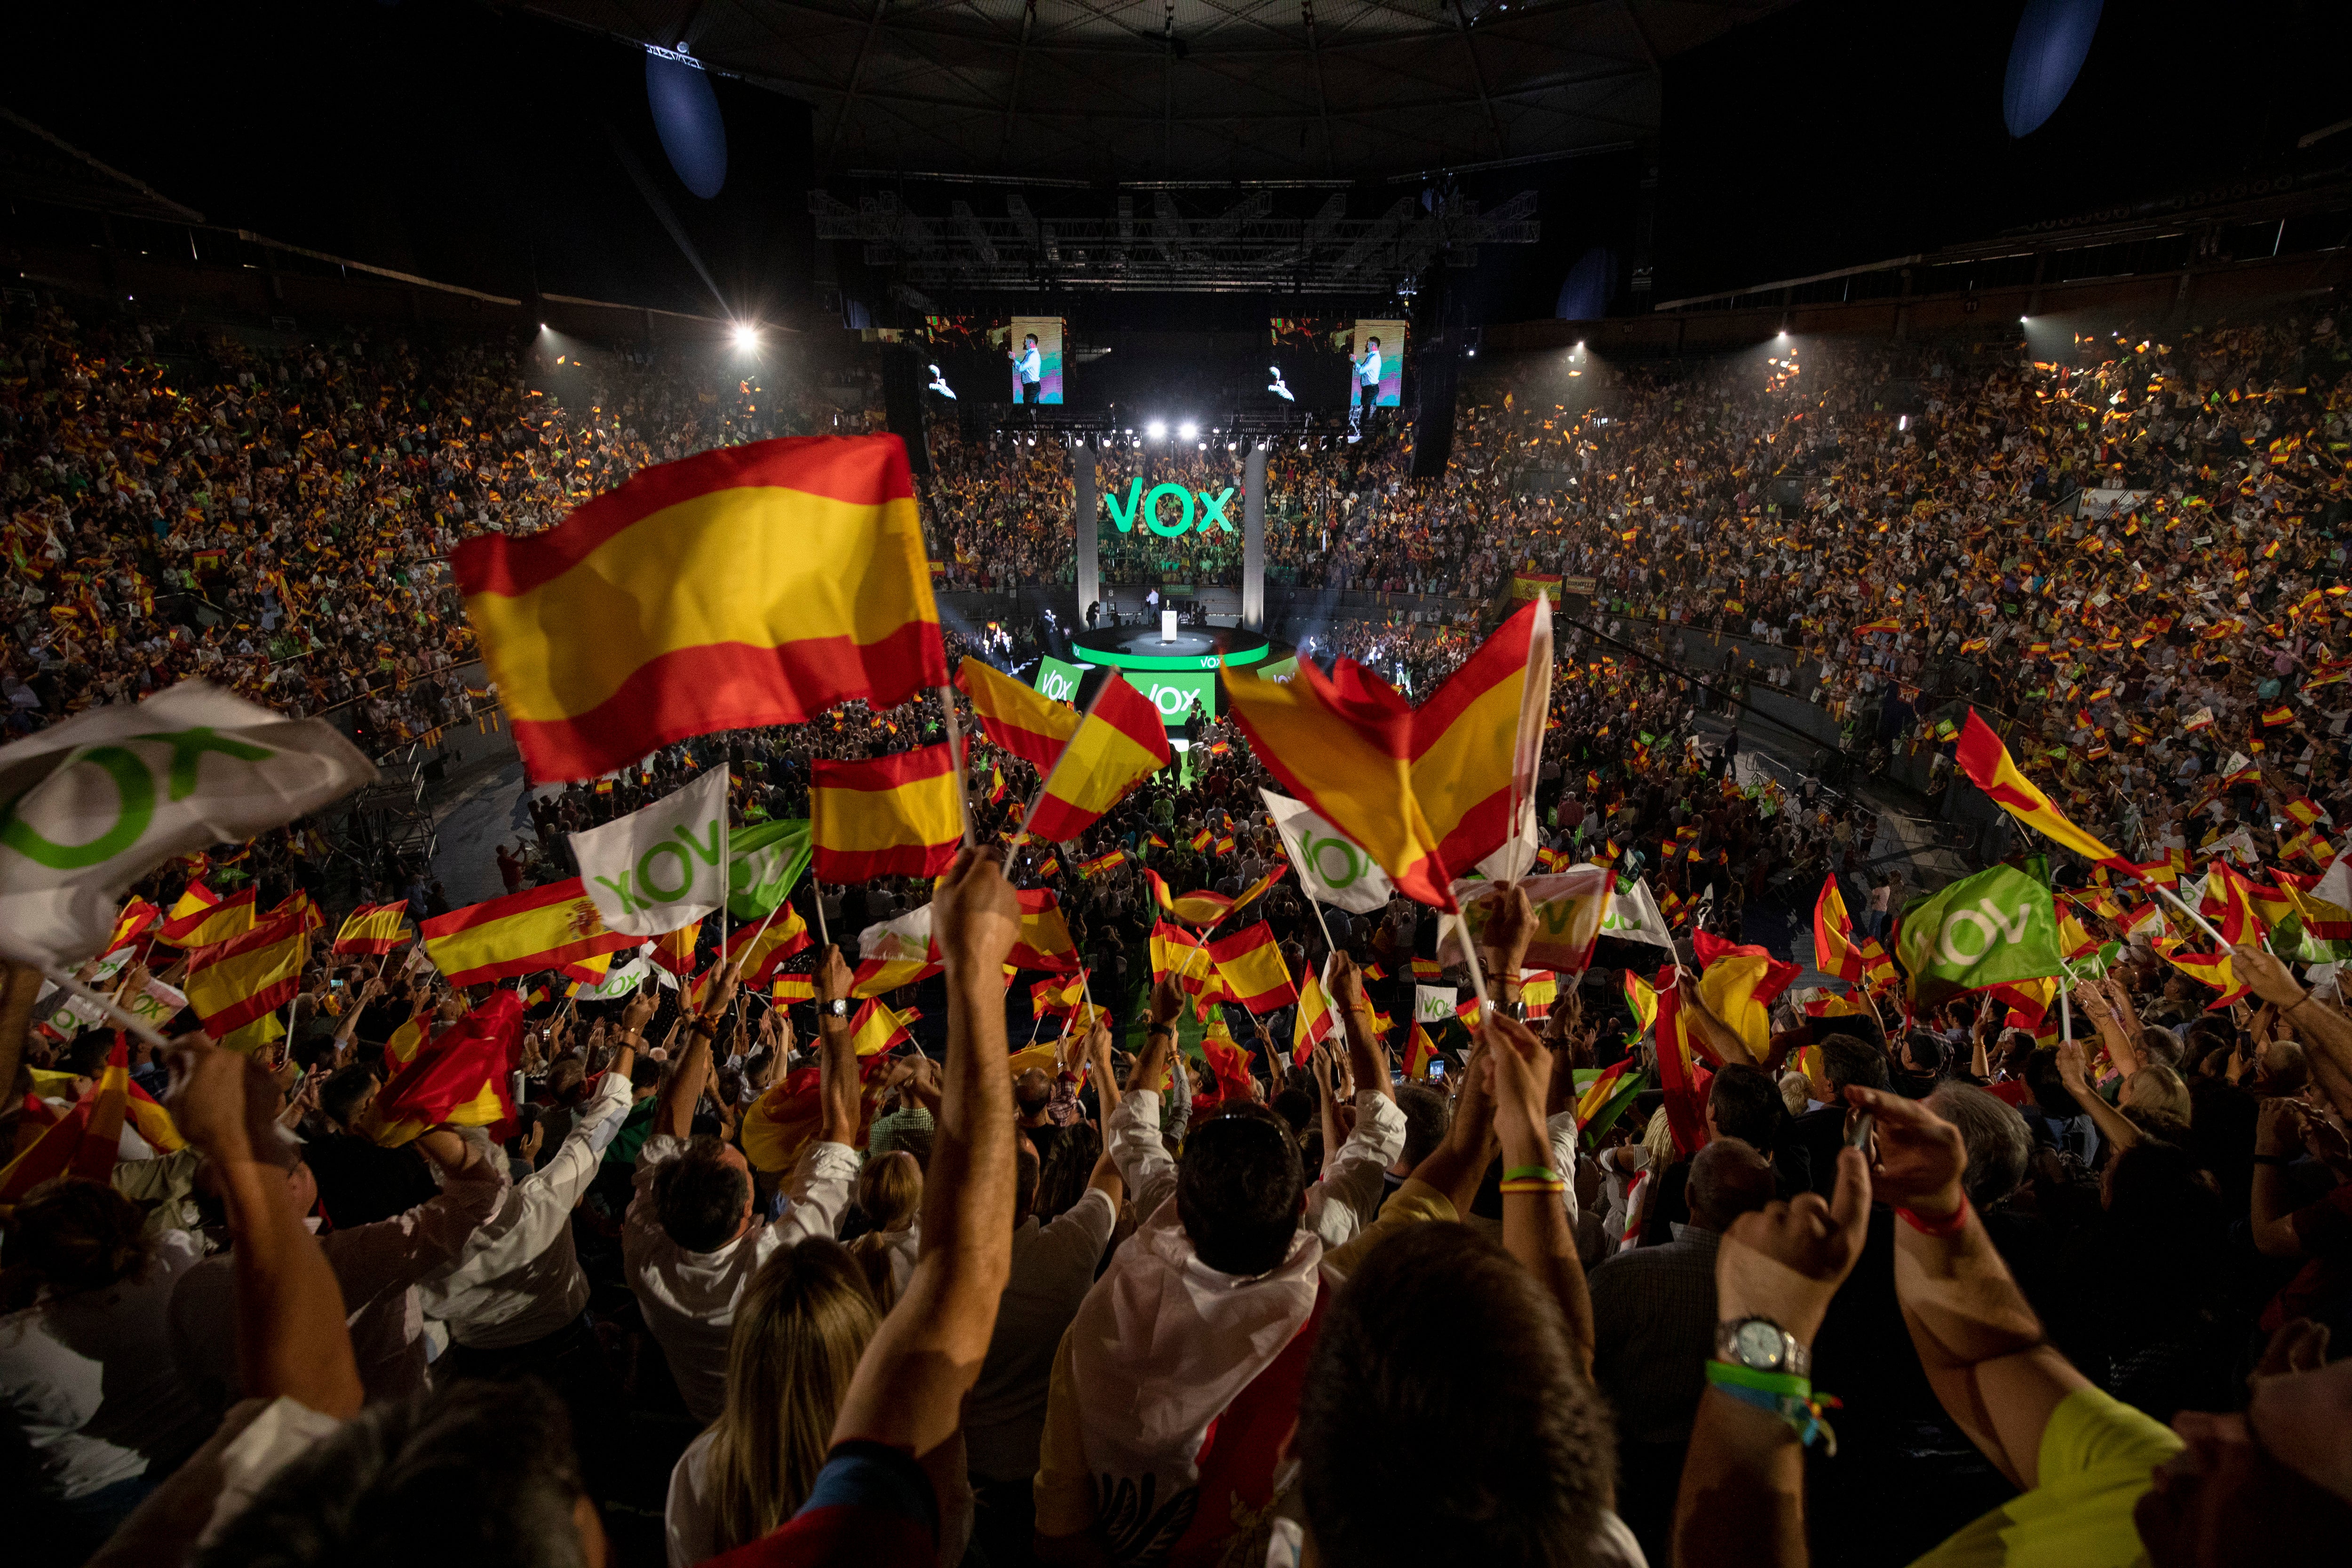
<point x="890" y="1192"/>
<point x="803" y="1323"/>
<point x="2157" y="1088"/>
<point x="1658" y="1141"/>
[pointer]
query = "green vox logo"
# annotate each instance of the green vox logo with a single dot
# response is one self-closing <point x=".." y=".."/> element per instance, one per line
<point x="1171" y="701"/>
<point x="1143" y="505"/>
<point x="1334" y="860"/>
<point x="1989" y="926"/>
<point x="1059" y="685"/>
<point x="134" y="786"/>
<point x="650" y="889"/>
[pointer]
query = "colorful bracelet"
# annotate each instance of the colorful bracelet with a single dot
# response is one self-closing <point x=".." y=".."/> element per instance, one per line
<point x="1531" y="1173"/>
<point x="1791" y="1398"/>
<point x="1942" y="1229"/>
<point x="1535" y="1186"/>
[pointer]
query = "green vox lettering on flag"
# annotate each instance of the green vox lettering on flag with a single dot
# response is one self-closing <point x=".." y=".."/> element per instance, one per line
<point x="764" y="863"/>
<point x="1990" y="929"/>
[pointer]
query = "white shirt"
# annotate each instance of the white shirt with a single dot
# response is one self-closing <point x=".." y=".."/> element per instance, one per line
<point x="377" y="1266"/>
<point x="81" y="1377"/>
<point x="690" y="1516"/>
<point x="1367" y="369"/>
<point x="1350" y="1195"/>
<point x="517" y="1280"/>
<point x="1052" y="1268"/>
<point x="688" y="1299"/>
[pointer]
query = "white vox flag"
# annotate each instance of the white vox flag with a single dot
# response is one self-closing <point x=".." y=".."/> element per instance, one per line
<point x="663" y="865"/>
<point x="91" y="805"/>
<point x="1433" y="1004"/>
<point x="621" y="980"/>
<point x="1332" y="868"/>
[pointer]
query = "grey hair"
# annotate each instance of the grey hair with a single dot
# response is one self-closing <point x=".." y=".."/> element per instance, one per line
<point x="1995" y="1135"/>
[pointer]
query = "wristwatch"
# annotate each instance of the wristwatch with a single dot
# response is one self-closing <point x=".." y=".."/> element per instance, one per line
<point x="1760" y="1344"/>
<point x="838" y="1006"/>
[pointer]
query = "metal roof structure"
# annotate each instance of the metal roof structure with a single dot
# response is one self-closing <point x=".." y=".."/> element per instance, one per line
<point x="1109" y="90"/>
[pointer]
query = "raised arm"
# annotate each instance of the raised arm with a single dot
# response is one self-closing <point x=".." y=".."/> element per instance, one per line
<point x="908" y="1389"/>
<point x="2074" y="1070"/>
<point x="674" y="1113"/>
<point x="2322" y="1027"/>
<point x="840" y="1089"/>
<point x="1981" y="1346"/>
<point x="1535" y="1222"/>
<point x="1368" y="1059"/>
<point x="290" y="1333"/>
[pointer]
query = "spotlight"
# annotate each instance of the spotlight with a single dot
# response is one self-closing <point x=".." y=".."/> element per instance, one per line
<point x="1187" y="431"/>
<point x="2021" y="320"/>
<point x="543" y="326"/>
<point x="747" y="336"/>
<point x="1579" y="345"/>
<point x="1156" y="429"/>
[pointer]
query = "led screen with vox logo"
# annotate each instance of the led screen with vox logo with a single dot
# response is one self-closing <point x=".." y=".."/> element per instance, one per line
<point x="1173" y="691"/>
<point x="1170" y="510"/>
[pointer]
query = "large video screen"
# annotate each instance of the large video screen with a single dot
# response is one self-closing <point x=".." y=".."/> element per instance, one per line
<point x="1377" y="347"/>
<point x="1034" y="344"/>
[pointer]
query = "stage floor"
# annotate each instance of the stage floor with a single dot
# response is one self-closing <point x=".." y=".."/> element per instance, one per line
<point x="1194" y="648"/>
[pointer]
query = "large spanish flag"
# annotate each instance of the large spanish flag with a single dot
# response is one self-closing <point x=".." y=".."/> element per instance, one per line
<point x="890" y="816"/>
<point x="373" y="928"/>
<point x="1119" y="744"/>
<point x="1738" y="983"/>
<point x="1250" y="961"/>
<point x="1025" y="722"/>
<point x="541" y="928"/>
<point x="1344" y="744"/>
<point x="203" y="917"/>
<point x="460" y="1077"/>
<point x="237" y="986"/>
<point x="1463" y="776"/>
<point x="1043" y="941"/>
<point x="742" y="587"/>
<point x="1986" y="761"/>
<point x="1314" y="1021"/>
<point x="1835" y="952"/>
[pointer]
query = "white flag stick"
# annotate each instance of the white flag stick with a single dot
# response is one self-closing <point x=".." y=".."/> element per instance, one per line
<point x="129" y="1022"/>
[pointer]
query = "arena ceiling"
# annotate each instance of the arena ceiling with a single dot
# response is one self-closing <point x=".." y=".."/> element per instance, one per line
<point x="1107" y="90"/>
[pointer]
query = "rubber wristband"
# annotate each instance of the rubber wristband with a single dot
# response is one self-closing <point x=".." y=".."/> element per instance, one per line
<point x="1943" y="1229"/>
<point x="1531" y="1173"/>
<point x="1792" y="1399"/>
<point x="1545" y="1187"/>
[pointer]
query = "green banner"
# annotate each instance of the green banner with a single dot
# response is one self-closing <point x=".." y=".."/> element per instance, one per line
<point x="1990" y="929"/>
<point x="762" y="865"/>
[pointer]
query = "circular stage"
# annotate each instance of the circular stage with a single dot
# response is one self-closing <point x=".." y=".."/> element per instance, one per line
<point x="1195" y="648"/>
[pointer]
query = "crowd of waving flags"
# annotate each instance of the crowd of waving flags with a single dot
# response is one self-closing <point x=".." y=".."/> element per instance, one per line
<point x="762" y="585"/>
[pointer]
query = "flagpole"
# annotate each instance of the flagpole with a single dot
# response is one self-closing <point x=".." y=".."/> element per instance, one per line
<point x="123" y="1019"/>
<point x="816" y="891"/>
<point x="955" y="756"/>
<point x="2201" y="923"/>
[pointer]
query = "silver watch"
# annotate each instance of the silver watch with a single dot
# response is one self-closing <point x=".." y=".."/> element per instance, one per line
<point x="838" y="1006"/>
<point x="1760" y="1344"/>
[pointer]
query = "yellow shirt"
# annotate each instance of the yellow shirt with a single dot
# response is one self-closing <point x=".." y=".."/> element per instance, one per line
<point x="2097" y="1456"/>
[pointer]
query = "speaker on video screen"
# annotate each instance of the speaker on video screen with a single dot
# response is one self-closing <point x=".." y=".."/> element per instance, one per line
<point x="1433" y="412"/>
<point x="902" y="404"/>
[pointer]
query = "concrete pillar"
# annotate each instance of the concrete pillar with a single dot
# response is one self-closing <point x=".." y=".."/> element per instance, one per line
<point x="1082" y="493"/>
<point x="1253" y="538"/>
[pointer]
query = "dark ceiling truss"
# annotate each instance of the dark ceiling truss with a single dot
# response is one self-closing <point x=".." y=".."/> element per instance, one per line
<point x="1242" y="247"/>
<point x="1111" y="90"/>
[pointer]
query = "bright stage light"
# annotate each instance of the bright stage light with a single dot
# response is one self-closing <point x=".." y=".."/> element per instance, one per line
<point x="1187" y="431"/>
<point x="747" y="336"/>
<point x="2022" y="320"/>
<point x="1156" y="429"/>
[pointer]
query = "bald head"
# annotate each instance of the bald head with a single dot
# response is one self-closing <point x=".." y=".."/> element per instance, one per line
<point x="1728" y="1179"/>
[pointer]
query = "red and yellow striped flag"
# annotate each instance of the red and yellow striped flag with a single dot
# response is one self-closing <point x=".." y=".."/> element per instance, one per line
<point x="1679" y="1070"/>
<point x="792" y="988"/>
<point x="1025" y="722"/>
<point x="1119" y="744"/>
<point x="1043" y="941"/>
<point x="762" y="950"/>
<point x="890" y="816"/>
<point x="373" y="928"/>
<point x="1600" y="1092"/>
<point x="1987" y="762"/>
<point x="674" y="950"/>
<point x="1464" y="773"/>
<point x="876" y="976"/>
<point x="132" y="923"/>
<point x="1419" y="1052"/>
<point x="1200" y="842"/>
<point x="1250" y="964"/>
<point x="1314" y="1022"/>
<point x="1835" y="952"/>
<point x="876" y="1028"/>
<point x="237" y="986"/>
<point x="742" y="587"/>
<point x="541" y="928"/>
<point x="203" y="918"/>
<point x="459" y="1078"/>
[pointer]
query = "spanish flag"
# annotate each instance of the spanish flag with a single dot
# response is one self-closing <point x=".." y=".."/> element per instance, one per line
<point x="878" y="976"/>
<point x="1738" y="984"/>
<point x="1102" y="864"/>
<point x="890" y="816"/>
<point x="1835" y="952"/>
<point x="237" y="986"/>
<point x="1200" y="909"/>
<point x="1986" y="761"/>
<point x="2282" y="714"/>
<point x="1600" y="1092"/>
<point x="1679" y="1073"/>
<point x="740" y="587"/>
<point x="2230" y="902"/>
<point x="1200" y="842"/>
<point x="674" y="950"/>
<point x="792" y="988"/>
<point x="298" y="902"/>
<point x="1119" y="744"/>
<point x="203" y="917"/>
<point x="1464" y="775"/>
<point x="132" y="923"/>
<point x="781" y="1121"/>
<point x="1177" y="951"/>
<point x="1644" y="1001"/>
<point x="373" y="928"/>
<point x="1314" y="1022"/>
<point x="1344" y="744"/>
<point x="874" y="1029"/>
<point x="2211" y="969"/>
<point x="541" y="928"/>
<point x="1419" y="1052"/>
<point x="86" y="1141"/>
<point x="1250" y="961"/>
<point x="1225" y="845"/>
<point x="763" y="946"/>
<point x="1056" y="997"/>
<point x="403" y="1046"/>
<point x="459" y="1077"/>
<point x="1043" y="941"/>
<point x="1025" y="722"/>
